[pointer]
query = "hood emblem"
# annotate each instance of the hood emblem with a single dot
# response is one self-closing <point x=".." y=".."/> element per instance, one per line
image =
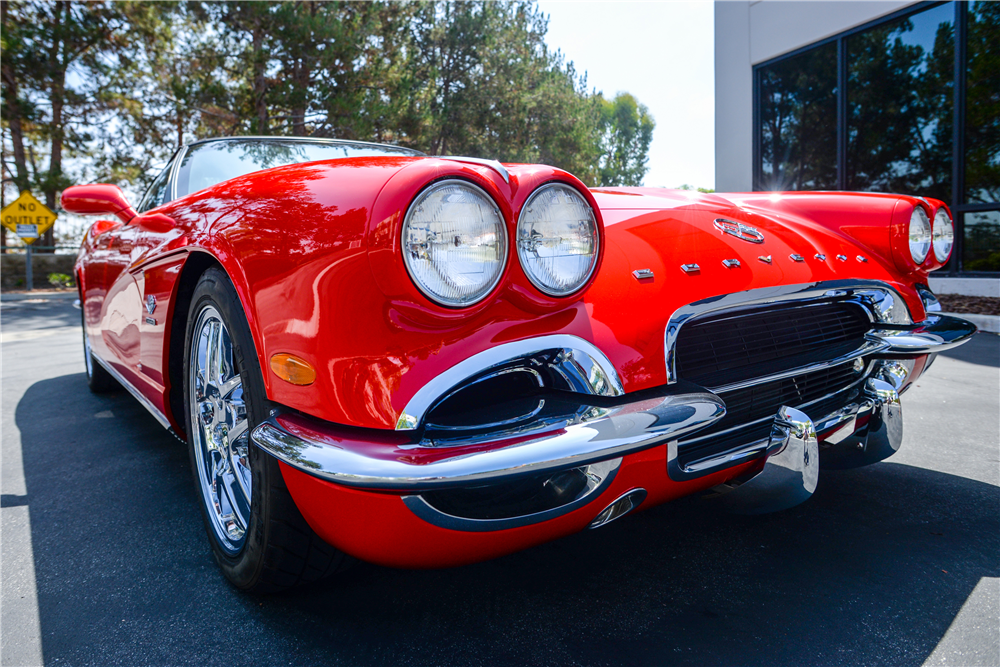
<point x="150" y="304"/>
<point x="739" y="230"/>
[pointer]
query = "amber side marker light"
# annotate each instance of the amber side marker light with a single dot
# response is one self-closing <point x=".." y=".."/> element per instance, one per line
<point x="293" y="369"/>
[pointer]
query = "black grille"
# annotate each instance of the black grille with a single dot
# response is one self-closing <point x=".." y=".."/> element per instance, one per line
<point x="763" y="402"/>
<point x="722" y="349"/>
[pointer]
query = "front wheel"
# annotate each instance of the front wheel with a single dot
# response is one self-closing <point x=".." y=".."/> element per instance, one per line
<point x="258" y="535"/>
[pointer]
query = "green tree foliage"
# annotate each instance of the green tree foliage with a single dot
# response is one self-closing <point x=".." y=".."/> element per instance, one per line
<point x="116" y="87"/>
<point x="627" y="133"/>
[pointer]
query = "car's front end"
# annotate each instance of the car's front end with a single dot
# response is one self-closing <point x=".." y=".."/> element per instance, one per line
<point x="499" y="356"/>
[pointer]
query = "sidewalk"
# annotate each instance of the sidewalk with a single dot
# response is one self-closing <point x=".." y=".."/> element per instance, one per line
<point x="39" y="294"/>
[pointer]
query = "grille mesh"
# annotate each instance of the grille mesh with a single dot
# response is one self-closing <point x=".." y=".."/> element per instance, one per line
<point x="764" y="400"/>
<point x="718" y="350"/>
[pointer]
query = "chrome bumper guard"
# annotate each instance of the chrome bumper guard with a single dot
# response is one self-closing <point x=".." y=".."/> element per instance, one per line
<point x="393" y="463"/>
<point x="791" y="469"/>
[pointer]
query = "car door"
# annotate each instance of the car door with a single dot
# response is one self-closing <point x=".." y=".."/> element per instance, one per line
<point x="121" y="312"/>
<point x="93" y="279"/>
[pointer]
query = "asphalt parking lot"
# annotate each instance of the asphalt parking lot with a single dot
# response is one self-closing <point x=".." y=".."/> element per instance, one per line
<point x="104" y="560"/>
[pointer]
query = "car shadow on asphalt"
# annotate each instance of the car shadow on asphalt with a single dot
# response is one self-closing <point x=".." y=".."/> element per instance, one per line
<point x="873" y="569"/>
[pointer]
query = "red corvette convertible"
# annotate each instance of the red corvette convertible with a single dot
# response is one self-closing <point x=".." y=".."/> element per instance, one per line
<point x="428" y="361"/>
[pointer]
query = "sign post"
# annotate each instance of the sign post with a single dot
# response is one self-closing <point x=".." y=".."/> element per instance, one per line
<point x="28" y="218"/>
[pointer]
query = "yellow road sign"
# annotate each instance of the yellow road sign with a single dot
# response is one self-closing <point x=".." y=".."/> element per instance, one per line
<point x="27" y="217"/>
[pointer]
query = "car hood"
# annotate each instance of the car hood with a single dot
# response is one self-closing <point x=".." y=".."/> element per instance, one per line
<point x="806" y="239"/>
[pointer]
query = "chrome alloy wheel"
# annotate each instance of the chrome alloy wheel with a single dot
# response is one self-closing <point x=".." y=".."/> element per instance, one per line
<point x="220" y="430"/>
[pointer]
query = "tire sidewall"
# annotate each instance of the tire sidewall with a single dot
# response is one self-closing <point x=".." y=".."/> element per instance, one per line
<point x="214" y="288"/>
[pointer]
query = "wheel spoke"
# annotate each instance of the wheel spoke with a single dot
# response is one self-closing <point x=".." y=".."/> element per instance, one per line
<point x="238" y="430"/>
<point x="228" y="387"/>
<point x="237" y="500"/>
<point x="215" y="363"/>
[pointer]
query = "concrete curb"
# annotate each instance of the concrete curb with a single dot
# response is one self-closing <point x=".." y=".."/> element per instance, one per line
<point x="39" y="295"/>
<point x="990" y="323"/>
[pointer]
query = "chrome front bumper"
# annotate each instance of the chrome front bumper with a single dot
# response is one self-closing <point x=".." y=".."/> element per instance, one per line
<point x="609" y="428"/>
<point x="392" y="462"/>
<point x="935" y="334"/>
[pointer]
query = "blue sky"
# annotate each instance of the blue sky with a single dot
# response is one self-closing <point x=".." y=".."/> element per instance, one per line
<point x="661" y="52"/>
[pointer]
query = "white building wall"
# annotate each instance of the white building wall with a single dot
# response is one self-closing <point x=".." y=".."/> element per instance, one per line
<point x="747" y="33"/>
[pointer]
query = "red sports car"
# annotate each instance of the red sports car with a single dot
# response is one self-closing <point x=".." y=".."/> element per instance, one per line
<point x="428" y="361"/>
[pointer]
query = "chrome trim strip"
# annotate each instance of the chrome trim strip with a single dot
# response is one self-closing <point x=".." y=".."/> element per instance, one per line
<point x="617" y="509"/>
<point x="870" y="346"/>
<point x="492" y="164"/>
<point x="598" y="434"/>
<point x="882" y="302"/>
<point x="600" y="477"/>
<point x="174" y="169"/>
<point x="582" y="365"/>
<point x="931" y="303"/>
<point x="160" y="417"/>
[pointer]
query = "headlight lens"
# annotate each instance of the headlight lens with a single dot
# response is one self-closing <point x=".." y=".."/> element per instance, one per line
<point x="920" y="235"/>
<point x="557" y="239"/>
<point x="944" y="235"/>
<point x="454" y="243"/>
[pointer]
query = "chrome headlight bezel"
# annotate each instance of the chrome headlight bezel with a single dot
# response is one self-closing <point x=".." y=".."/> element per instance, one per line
<point x="522" y="243"/>
<point x="919" y="234"/>
<point x="487" y="287"/>
<point x="942" y="235"/>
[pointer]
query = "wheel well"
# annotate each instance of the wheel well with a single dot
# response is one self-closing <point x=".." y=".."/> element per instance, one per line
<point x="196" y="264"/>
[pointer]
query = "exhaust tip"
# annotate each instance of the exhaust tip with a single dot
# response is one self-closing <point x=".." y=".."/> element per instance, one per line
<point x="619" y="508"/>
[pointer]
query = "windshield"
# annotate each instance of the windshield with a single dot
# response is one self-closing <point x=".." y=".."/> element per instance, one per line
<point x="206" y="164"/>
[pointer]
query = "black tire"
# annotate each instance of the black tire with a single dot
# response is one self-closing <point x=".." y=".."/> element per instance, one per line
<point x="279" y="550"/>
<point x="99" y="380"/>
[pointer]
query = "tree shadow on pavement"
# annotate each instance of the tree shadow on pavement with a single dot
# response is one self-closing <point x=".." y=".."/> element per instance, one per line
<point x="21" y="315"/>
<point x="873" y="569"/>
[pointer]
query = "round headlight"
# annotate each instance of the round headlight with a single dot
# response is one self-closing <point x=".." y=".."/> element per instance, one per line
<point x="454" y="243"/>
<point x="920" y="235"/>
<point x="944" y="235"/>
<point x="557" y="239"/>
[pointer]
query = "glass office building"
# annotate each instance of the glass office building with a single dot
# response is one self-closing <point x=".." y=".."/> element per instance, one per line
<point x="907" y="103"/>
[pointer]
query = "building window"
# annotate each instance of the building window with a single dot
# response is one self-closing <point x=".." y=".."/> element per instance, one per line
<point x="875" y="109"/>
<point x="798" y="111"/>
<point x="899" y="105"/>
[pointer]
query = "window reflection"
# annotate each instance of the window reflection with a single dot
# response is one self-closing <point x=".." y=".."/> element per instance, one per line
<point x="899" y="97"/>
<point x="798" y="116"/>
<point x="982" y="107"/>
<point x="208" y="164"/>
<point x="982" y="241"/>
<point x="156" y="191"/>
